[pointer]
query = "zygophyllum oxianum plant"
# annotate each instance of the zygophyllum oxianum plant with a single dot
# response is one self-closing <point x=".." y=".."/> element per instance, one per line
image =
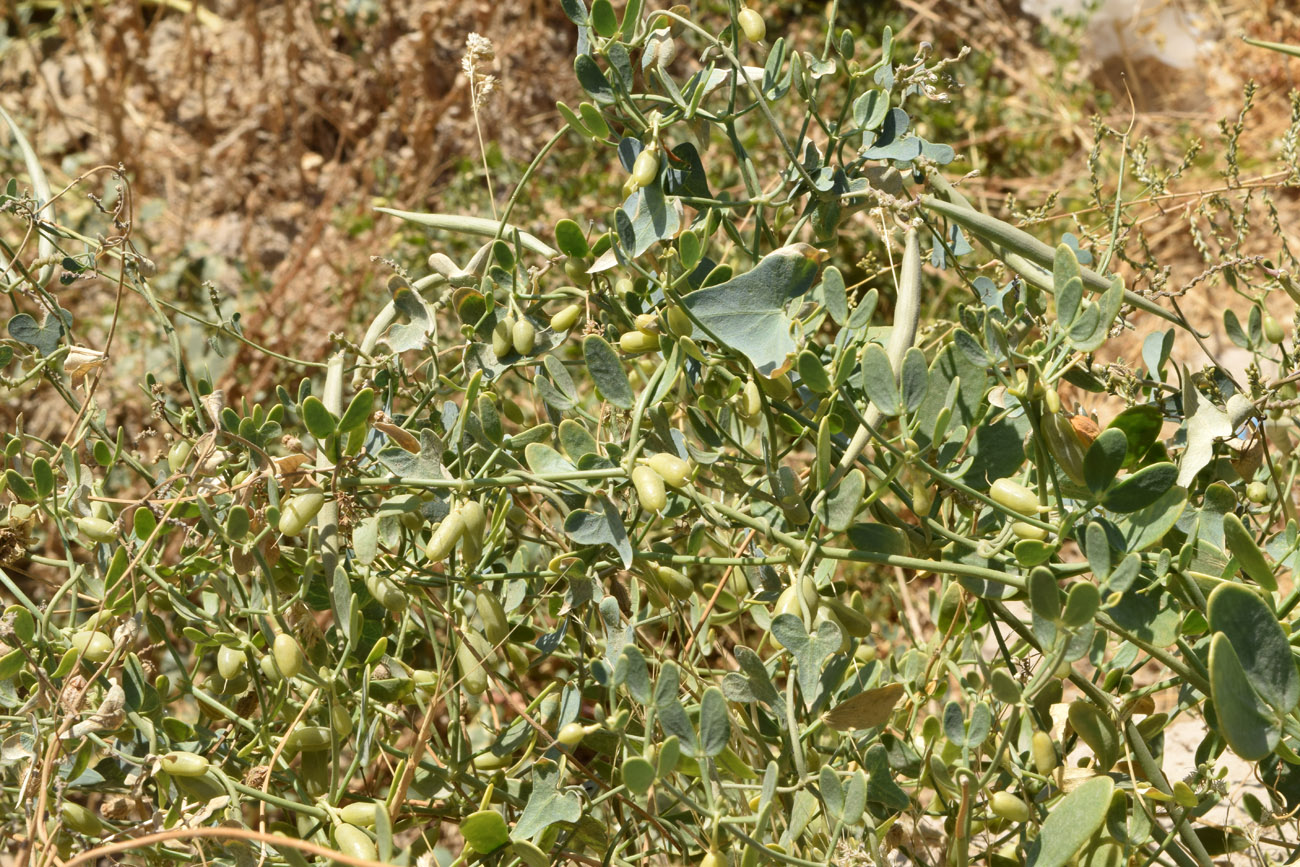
<point x="582" y="552"/>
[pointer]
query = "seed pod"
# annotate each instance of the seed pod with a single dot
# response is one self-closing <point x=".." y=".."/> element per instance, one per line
<point x="360" y="813"/>
<point x="471" y="540"/>
<point x="1024" y="530"/>
<point x="425" y="681"/>
<point x="751" y="403"/>
<point x="230" y="661"/>
<point x="490" y="761"/>
<point x="678" y="322"/>
<point x="503" y="336"/>
<point x="179" y="455"/>
<point x="646" y="167"/>
<point x="566" y="318"/>
<point x="673" y="469"/>
<point x="649" y="488"/>
<point x="299" y="511"/>
<point x="340" y="720"/>
<point x="1044" y="753"/>
<point x="636" y="342"/>
<point x="287" y="654"/>
<point x="354" y="842"/>
<point x="776" y="389"/>
<point x="93" y="646"/>
<point x="1272" y="329"/>
<point x="1065" y="445"/>
<point x="1257" y="492"/>
<point x="1007" y="806"/>
<point x="715" y="858"/>
<point x="752" y="24"/>
<point x="571" y="734"/>
<point x="182" y="764"/>
<point x="473" y="676"/>
<point x="674" y="582"/>
<point x="493" y="616"/>
<point x="523" y="335"/>
<point x="97" y="529"/>
<point x="647" y="322"/>
<point x="80" y="819"/>
<point x="1014" y="496"/>
<point x="270" y="673"/>
<point x="386" y="592"/>
<point x="445" y="536"/>
<point x="308" y="739"/>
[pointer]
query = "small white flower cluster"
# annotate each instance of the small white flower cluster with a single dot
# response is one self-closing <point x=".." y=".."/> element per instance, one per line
<point x="479" y="52"/>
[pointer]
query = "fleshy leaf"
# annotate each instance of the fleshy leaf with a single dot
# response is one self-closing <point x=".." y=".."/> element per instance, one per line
<point x="747" y="313"/>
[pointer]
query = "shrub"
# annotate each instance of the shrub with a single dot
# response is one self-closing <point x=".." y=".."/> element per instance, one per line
<point x="578" y="552"/>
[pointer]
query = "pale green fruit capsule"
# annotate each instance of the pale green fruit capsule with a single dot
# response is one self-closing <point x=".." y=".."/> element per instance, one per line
<point x="354" y="842"/>
<point x="1044" y="753"/>
<point x="777" y="389"/>
<point x="1272" y="329"/>
<point x="493" y="616"/>
<point x="183" y="764"/>
<point x="503" y="336"/>
<point x="179" y="455"/>
<point x="646" y="167"/>
<point x="636" y="342"/>
<point x="474" y="517"/>
<point x="473" y="676"/>
<point x="752" y="24"/>
<point x="523" y="336"/>
<point x="1023" y="530"/>
<point x="677" y="320"/>
<point x="445" y="536"/>
<point x="1257" y="492"/>
<point x="673" y="581"/>
<point x="1007" y="806"/>
<point x="649" y="488"/>
<point x="288" y="655"/>
<point x="751" y="403"/>
<point x="715" y="858"/>
<point x="571" y="734"/>
<point x="230" y="662"/>
<point x="97" y="529"/>
<point x="299" y="511"/>
<point x="1014" y="496"/>
<point x="93" y="646"/>
<point x="307" y="739"/>
<point x="360" y="813"/>
<point x="566" y="318"/>
<point x="386" y="593"/>
<point x="80" y="819"/>
<point x="673" y="469"/>
<point x="647" y="322"/>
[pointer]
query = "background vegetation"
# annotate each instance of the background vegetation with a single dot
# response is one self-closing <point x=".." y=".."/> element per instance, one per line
<point x="255" y="144"/>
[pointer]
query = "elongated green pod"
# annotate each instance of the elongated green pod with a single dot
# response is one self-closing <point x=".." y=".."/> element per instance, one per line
<point x="480" y="226"/>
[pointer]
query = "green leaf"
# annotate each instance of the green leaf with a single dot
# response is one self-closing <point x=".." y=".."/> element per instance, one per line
<point x="1081" y="604"/>
<point x="45" y="337"/>
<point x="813" y="372"/>
<point x="747" y="314"/>
<point x="881" y="787"/>
<point x="646" y="218"/>
<point x="607" y="371"/>
<point x="715" y="724"/>
<point x="914" y="377"/>
<point x="808" y="650"/>
<point x="1143" y="528"/>
<point x="1141" y="425"/>
<point x="485" y="831"/>
<point x="753" y="683"/>
<point x="1044" y="595"/>
<point x="832" y="792"/>
<point x="1103" y="459"/>
<point x="576" y="11"/>
<point x="879" y="380"/>
<point x="638" y="774"/>
<point x="1260" y="642"/>
<point x="546" y="805"/>
<point x="599" y="528"/>
<point x="358" y="411"/>
<point x="835" y="295"/>
<point x="1071" y="823"/>
<point x="602" y="18"/>
<point x="593" y="80"/>
<point x="1140" y="489"/>
<point x="1097" y="731"/>
<point x="319" y="420"/>
<point x="1245" y="722"/>
<point x="576" y="440"/>
<point x="838" y="509"/>
<point x="631" y="670"/>
<point x="1242" y="545"/>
